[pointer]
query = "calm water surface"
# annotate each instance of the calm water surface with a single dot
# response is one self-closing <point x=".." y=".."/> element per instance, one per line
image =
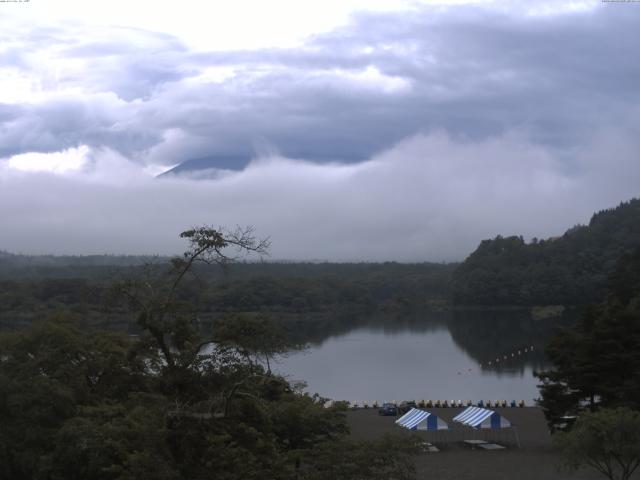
<point x="427" y="360"/>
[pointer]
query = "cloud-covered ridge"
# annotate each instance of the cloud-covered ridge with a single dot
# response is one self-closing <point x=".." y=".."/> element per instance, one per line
<point x="427" y="198"/>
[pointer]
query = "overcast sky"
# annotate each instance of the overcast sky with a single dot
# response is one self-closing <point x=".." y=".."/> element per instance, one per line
<point x="360" y="130"/>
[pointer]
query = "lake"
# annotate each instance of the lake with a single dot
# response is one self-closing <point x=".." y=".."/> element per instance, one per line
<point x="455" y="356"/>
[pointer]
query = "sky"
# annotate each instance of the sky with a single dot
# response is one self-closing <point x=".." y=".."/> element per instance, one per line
<point x="356" y="130"/>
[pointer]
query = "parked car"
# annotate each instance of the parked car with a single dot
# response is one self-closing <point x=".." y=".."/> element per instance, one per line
<point x="388" y="409"/>
<point x="404" y="407"/>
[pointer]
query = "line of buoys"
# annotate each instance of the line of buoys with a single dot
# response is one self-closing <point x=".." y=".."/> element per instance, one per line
<point x="507" y="356"/>
<point x="504" y="358"/>
<point x="432" y="404"/>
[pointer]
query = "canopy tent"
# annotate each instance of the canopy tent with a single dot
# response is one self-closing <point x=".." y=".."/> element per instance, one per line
<point x="477" y="417"/>
<point x="416" y="419"/>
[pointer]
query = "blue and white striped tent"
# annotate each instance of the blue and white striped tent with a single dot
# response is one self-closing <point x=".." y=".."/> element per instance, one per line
<point x="477" y="417"/>
<point x="416" y="419"/>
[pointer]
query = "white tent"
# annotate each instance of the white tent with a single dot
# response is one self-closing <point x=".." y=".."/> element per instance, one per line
<point x="477" y="417"/>
<point x="416" y="419"/>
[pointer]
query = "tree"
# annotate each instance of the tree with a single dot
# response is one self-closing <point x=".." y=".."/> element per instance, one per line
<point x="50" y="375"/>
<point x="607" y="441"/>
<point x="172" y="404"/>
<point x="596" y="363"/>
<point x="156" y="295"/>
<point x="257" y="339"/>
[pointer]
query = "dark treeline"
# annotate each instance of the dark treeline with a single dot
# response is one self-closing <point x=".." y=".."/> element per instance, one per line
<point x="268" y="288"/>
<point x="102" y="266"/>
<point x="14" y="266"/>
<point x="319" y="287"/>
<point x="568" y="270"/>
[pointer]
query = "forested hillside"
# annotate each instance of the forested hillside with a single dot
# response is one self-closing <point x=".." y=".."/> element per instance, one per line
<point x="570" y="270"/>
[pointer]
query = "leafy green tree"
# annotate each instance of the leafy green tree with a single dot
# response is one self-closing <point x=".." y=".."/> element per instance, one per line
<point x="121" y="441"/>
<point x="47" y="375"/>
<point x="607" y="441"/>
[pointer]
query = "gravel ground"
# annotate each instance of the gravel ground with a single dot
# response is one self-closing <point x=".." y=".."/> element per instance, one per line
<point x="535" y="460"/>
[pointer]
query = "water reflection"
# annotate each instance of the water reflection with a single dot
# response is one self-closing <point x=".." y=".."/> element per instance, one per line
<point x="424" y="355"/>
<point x="503" y="341"/>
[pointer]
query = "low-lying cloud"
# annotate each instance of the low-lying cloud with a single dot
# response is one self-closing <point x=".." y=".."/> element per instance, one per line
<point x="400" y="135"/>
<point x="428" y="198"/>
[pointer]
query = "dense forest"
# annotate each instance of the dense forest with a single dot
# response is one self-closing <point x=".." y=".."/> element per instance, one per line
<point x="36" y="287"/>
<point x="568" y="270"/>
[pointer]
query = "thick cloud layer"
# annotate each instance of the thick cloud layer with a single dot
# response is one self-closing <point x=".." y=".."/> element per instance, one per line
<point x="343" y="95"/>
<point x="404" y="135"/>
<point x="427" y="198"/>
